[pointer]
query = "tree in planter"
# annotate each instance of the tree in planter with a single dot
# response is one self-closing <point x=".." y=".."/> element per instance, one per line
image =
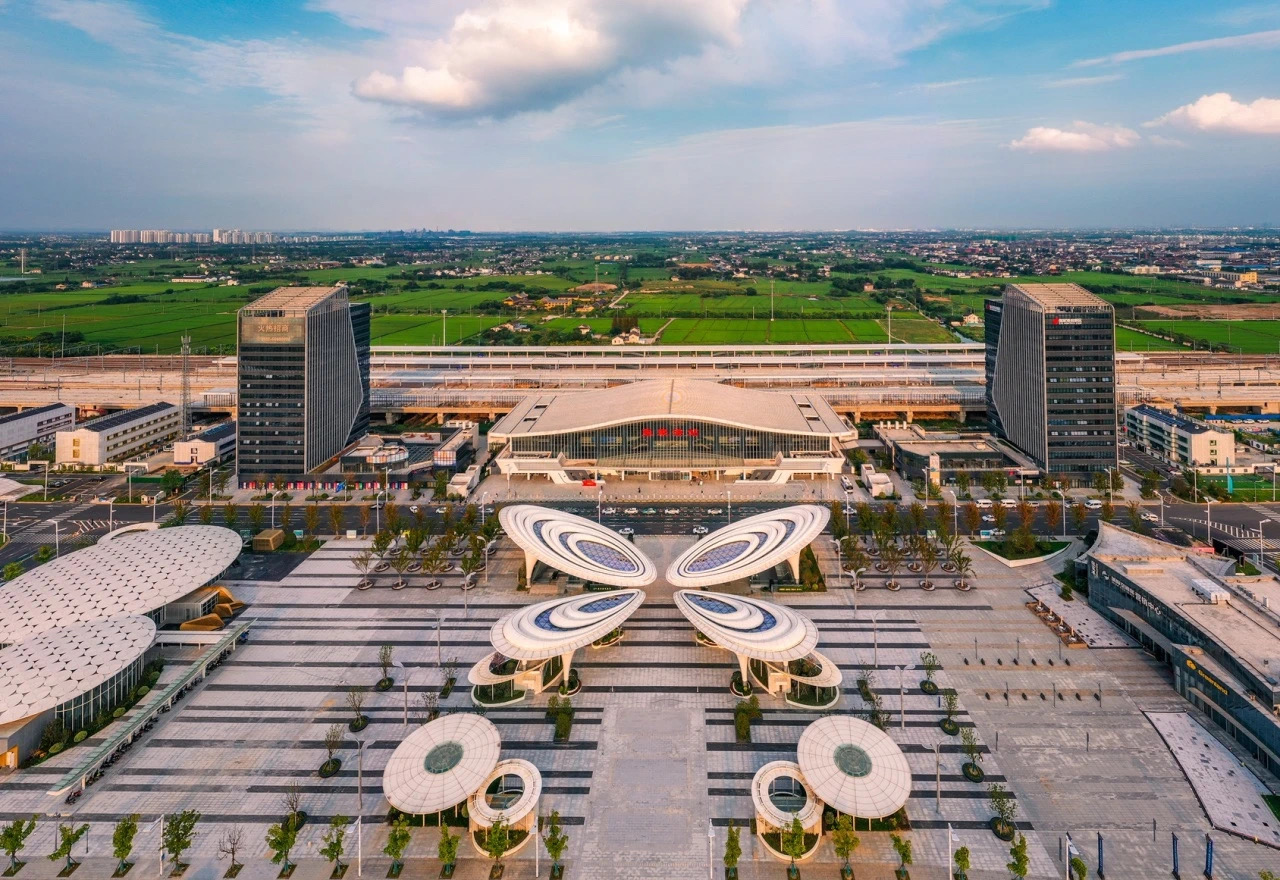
<point x="433" y="559"/>
<point x="555" y="840"/>
<point x="1108" y="511"/>
<point x="334" y="842"/>
<point x="230" y="515"/>
<point x="1052" y="515"/>
<point x="179" y="833"/>
<point x="964" y="566"/>
<point x="122" y="841"/>
<point x="969" y="743"/>
<point x="950" y="704"/>
<point x="1079" y="870"/>
<point x="386" y="654"/>
<point x="892" y="557"/>
<point x="791" y="839"/>
<point x="732" y="849"/>
<point x="180" y="511"/>
<point x="229" y="844"/>
<point x="745" y="712"/>
<point x="293" y="805"/>
<point x="1079" y="513"/>
<point x="916" y="516"/>
<point x="971" y="518"/>
<point x="397" y="842"/>
<point x="13" y="570"/>
<point x="962" y="862"/>
<point x="1135" y="517"/>
<point x="928" y="560"/>
<point x="450" y="672"/>
<point x="13" y="838"/>
<point x="206" y="514"/>
<point x="355" y="699"/>
<point x="401" y="561"/>
<point x="311" y="520"/>
<point x="68" y="837"/>
<point x="1001" y="515"/>
<point x="430" y="707"/>
<point x="1003" y="806"/>
<point x="382" y="543"/>
<point x="257" y="514"/>
<point x="929" y="663"/>
<point x="332" y="742"/>
<point x="392" y="515"/>
<point x="363" y="561"/>
<point x="447" y="848"/>
<point x="281" y="840"/>
<point x="866" y="518"/>
<point x="497" y="841"/>
<point x="336" y="519"/>
<point x="1020" y="862"/>
<point x="286" y="516"/>
<point x="902" y="846"/>
<point x="366" y="514"/>
<point x="844" y="842"/>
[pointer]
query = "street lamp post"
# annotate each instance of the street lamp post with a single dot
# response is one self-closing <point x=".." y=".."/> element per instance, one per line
<point x="902" y="701"/>
<point x="360" y="807"/>
<point x="846" y="511"/>
<point x="599" y="505"/>
<point x="729" y="495"/>
<point x="57" y="547"/>
<point x="111" y="515"/>
<point x="273" y="507"/>
<point x="404" y="672"/>
<point x="483" y="496"/>
<point x="1261" y="550"/>
<point x="857" y="585"/>
<point x="875" y="640"/>
<point x="1208" y="522"/>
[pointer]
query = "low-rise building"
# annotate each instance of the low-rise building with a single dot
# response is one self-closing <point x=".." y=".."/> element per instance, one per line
<point x="1178" y="439"/>
<point x="877" y="484"/>
<point x="119" y="435"/>
<point x="39" y="424"/>
<point x="210" y="445"/>
<point x="1217" y="632"/>
<point x="938" y="456"/>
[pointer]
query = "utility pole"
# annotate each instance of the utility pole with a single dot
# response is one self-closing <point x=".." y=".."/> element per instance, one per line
<point x="186" y="386"/>
<point x="771" y="299"/>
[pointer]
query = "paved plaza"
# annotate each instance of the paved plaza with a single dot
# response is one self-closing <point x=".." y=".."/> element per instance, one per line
<point x="651" y="764"/>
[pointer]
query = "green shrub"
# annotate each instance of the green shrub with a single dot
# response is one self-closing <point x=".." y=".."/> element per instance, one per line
<point x="143" y="691"/>
<point x="118" y="712"/>
<point x="81" y="736"/>
<point x="564" y="723"/>
<point x="56" y="747"/>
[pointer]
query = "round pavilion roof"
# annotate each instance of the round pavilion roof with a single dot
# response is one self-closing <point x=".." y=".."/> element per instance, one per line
<point x="750" y="627"/>
<point x="131" y="574"/>
<point x="531" y="789"/>
<point x="577" y="546"/>
<point x="60" y="664"/>
<point x="810" y="813"/>
<point x="854" y="766"/>
<point x="441" y="764"/>
<point x="749" y="546"/>
<point x="559" y="626"/>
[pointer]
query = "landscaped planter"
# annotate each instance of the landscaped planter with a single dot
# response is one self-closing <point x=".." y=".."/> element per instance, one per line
<point x="949" y="726"/>
<point x="927" y="586"/>
<point x="1001" y="830"/>
<point x="930" y="687"/>
<point x="973" y="772"/>
<point x="338" y="872"/>
<point x="233" y="871"/>
<point x="330" y="768"/>
<point x="10" y="872"/>
<point x="446" y="871"/>
<point x="384" y="684"/>
<point x="359" y="724"/>
<point x="893" y="586"/>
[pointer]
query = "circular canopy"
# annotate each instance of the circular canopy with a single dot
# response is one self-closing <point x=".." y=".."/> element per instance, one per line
<point x="61" y="664"/>
<point x="749" y="546"/>
<point x="131" y="574"/>
<point x="854" y="766"/>
<point x="486" y="814"/>
<point x="577" y="546"/>
<point x="549" y="629"/>
<point x="756" y="629"/>
<point x="808" y="811"/>
<point x="441" y="764"/>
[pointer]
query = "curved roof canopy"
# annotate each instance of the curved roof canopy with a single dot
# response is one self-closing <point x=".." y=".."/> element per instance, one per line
<point x="60" y="664"/>
<point x="549" y="629"/>
<point x="749" y="546"/>
<point x="486" y="814"/>
<point x="131" y="574"/>
<point x="441" y="764"/>
<point x="785" y="412"/>
<point x="750" y="627"/>
<point x="854" y="766"/>
<point x="577" y="546"/>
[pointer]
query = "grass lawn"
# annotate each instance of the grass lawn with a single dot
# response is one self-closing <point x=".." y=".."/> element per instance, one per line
<point x="1002" y="548"/>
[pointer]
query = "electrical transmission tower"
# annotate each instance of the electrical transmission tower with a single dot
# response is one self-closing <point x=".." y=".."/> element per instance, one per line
<point x="186" y="386"/>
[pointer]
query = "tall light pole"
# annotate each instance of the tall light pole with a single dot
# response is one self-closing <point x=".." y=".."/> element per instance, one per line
<point x="857" y="585"/>
<point x="729" y="495"/>
<point x="875" y="639"/>
<point x="1261" y="551"/>
<point x="360" y="808"/>
<point x="955" y="510"/>
<point x="902" y="702"/>
<point x="847" y="527"/>
<point x="599" y="505"/>
<point x="1208" y="522"/>
<point x="5" y="529"/>
<point x="405" y="672"/>
<point x="111" y="514"/>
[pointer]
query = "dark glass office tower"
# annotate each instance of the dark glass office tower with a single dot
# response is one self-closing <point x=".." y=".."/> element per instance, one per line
<point x="1051" y="373"/>
<point x="303" y="380"/>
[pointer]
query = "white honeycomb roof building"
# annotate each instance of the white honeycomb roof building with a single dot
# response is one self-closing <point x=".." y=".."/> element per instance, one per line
<point x="576" y="546"/>
<point x="60" y="664"/>
<point x="749" y="627"/>
<point x="441" y="764"/>
<point x="560" y="626"/>
<point x="131" y="574"/>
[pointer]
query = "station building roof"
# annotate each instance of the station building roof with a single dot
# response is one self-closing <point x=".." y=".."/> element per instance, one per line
<point x="854" y="766"/>
<point x="130" y="574"/>
<point x="60" y="664"/>
<point x="694" y="399"/>
<point x="441" y="764"/>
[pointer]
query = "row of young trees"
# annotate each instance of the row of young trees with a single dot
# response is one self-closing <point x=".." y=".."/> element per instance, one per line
<point x="178" y="835"/>
<point x="895" y="539"/>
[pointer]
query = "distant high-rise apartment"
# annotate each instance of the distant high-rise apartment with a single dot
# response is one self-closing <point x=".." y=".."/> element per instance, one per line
<point x="1051" y="371"/>
<point x="303" y="380"/>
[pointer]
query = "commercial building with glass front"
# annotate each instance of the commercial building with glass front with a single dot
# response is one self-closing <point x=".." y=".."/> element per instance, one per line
<point x="673" y="428"/>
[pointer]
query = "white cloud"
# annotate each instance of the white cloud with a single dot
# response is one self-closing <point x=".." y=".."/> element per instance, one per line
<point x="508" y="56"/>
<point x="1221" y="112"/>
<point x="1082" y="137"/>
<point x="1256" y="40"/>
<point x="952" y="84"/>
<point x="1075" y="81"/>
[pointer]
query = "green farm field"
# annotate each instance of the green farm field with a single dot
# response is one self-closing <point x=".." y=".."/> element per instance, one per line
<point x="1249" y="337"/>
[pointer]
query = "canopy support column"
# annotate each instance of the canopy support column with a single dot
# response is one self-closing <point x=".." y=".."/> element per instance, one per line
<point x="794" y="563"/>
<point x="567" y="660"/>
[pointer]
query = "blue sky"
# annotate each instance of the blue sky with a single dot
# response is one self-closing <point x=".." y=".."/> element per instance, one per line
<point x="638" y="114"/>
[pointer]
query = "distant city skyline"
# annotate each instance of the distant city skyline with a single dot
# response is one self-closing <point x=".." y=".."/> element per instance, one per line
<point x="587" y="115"/>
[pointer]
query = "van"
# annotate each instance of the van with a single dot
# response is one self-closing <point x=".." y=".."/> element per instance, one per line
<point x="1008" y="503"/>
<point x="1093" y="504"/>
<point x="984" y="503"/>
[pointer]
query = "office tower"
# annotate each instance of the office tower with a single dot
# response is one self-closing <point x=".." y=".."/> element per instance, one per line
<point x="1051" y="367"/>
<point x="303" y="380"/>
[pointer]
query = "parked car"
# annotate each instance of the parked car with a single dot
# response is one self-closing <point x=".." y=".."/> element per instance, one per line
<point x="1149" y="517"/>
<point x="649" y="511"/>
<point x="986" y="517"/>
<point x="1008" y="503"/>
<point x="1093" y="504"/>
<point x="672" y="511"/>
<point x="984" y="503"/>
<point x="700" y="530"/>
<point x="716" y="511"/>
<point x="631" y="511"/>
<point x="610" y="511"/>
<point x="626" y="530"/>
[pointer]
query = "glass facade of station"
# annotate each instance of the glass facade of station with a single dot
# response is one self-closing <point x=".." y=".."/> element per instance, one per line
<point x="673" y="443"/>
<point x="76" y="714"/>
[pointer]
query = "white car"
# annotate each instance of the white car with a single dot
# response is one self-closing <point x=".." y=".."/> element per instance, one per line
<point x="715" y="511"/>
<point x="626" y="530"/>
<point x="986" y="517"/>
<point x="997" y="533"/>
<point x="631" y="511"/>
<point x="441" y="511"/>
<point x="1149" y="517"/>
<point x="700" y="530"/>
<point x="672" y="511"/>
<point x="610" y="511"/>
